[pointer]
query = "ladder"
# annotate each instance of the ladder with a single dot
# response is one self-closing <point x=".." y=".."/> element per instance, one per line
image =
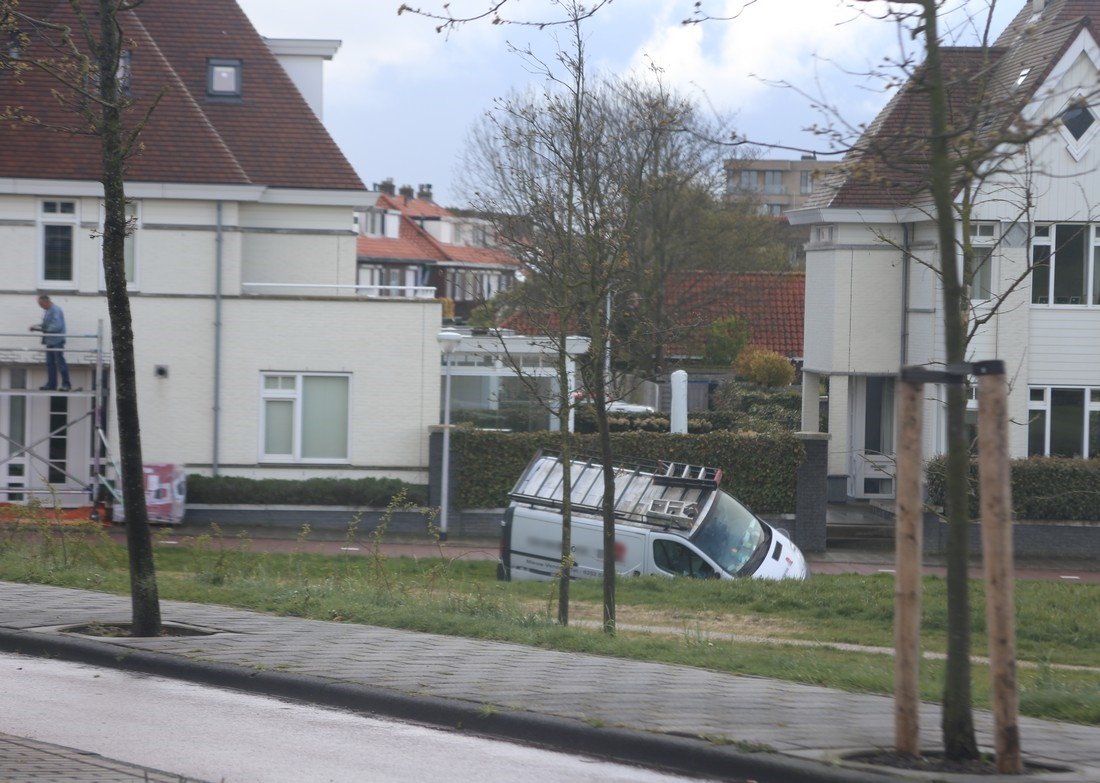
<point x="664" y="494"/>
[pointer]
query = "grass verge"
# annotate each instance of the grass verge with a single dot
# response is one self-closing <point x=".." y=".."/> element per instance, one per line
<point x="1058" y="624"/>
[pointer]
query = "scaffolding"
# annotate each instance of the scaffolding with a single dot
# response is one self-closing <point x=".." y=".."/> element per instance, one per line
<point x="26" y="453"/>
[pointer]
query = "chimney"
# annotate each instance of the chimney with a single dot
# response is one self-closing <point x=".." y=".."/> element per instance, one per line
<point x="424" y="191"/>
<point x="1037" y="6"/>
<point x="406" y="192"/>
<point x="385" y="186"/>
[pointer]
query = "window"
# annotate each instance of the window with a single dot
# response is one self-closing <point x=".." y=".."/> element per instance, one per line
<point x="825" y="234"/>
<point x="385" y="280"/>
<point x="124" y="74"/>
<point x="774" y="210"/>
<point x="1060" y="269"/>
<point x="374" y="222"/>
<point x="57" y="221"/>
<point x="1064" y="422"/>
<point x="672" y="557"/>
<point x="979" y="272"/>
<point x="223" y="78"/>
<point x="1078" y="118"/>
<point x="469" y="286"/>
<point x="806" y="182"/>
<point x="129" y="245"/>
<point x="748" y="181"/>
<point x="1078" y="125"/>
<point x="304" y="417"/>
<point x="773" y="182"/>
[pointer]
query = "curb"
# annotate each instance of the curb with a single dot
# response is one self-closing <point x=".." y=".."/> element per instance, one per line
<point x="683" y="755"/>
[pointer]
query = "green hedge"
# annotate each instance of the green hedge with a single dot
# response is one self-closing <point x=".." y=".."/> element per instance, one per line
<point x="1044" y="488"/>
<point x="374" y="492"/>
<point x="759" y="470"/>
<point x="766" y="417"/>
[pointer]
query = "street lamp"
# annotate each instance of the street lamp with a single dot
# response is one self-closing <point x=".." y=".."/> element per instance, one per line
<point x="448" y="342"/>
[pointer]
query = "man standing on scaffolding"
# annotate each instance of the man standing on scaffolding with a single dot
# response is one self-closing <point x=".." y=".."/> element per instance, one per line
<point x="53" y="337"/>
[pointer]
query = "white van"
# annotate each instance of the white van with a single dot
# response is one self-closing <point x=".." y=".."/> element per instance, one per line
<point x="671" y="520"/>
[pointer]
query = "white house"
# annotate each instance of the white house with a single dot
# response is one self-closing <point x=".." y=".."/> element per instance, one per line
<point x="257" y="354"/>
<point x="873" y="303"/>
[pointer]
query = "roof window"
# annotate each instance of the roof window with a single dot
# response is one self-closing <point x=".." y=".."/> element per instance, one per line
<point x="1023" y="75"/>
<point x="223" y="78"/>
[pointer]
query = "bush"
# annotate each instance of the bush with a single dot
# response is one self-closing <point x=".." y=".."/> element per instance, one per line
<point x="761" y="418"/>
<point x="1044" y="488"/>
<point x="227" y="490"/>
<point x="725" y="340"/>
<point x="766" y="368"/>
<point x="759" y="470"/>
<point x="739" y="396"/>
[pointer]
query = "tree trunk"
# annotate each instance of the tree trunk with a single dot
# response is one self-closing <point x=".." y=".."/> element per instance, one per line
<point x="958" y="720"/>
<point x="145" y="603"/>
<point x="566" y="484"/>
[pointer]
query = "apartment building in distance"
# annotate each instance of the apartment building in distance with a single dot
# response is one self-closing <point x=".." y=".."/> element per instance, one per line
<point x="775" y="185"/>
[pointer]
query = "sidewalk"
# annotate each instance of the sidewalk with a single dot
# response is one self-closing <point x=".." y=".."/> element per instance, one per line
<point x="26" y="760"/>
<point x="653" y="714"/>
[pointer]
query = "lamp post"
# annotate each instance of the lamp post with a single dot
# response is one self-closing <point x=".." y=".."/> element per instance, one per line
<point x="448" y="342"/>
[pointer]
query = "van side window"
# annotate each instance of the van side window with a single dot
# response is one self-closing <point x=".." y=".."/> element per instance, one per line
<point x="675" y="558"/>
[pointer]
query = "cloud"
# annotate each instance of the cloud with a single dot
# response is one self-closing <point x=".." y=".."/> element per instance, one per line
<point x="732" y="61"/>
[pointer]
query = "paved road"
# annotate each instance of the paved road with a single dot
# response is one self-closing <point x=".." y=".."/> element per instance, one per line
<point x="700" y="722"/>
<point x="214" y="734"/>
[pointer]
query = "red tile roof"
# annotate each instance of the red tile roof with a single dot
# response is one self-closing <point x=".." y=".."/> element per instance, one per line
<point x="269" y="137"/>
<point x="415" y="243"/>
<point x="888" y="167"/>
<point x="773" y="305"/>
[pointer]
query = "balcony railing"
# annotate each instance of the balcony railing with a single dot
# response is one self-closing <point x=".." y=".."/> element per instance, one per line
<point x="365" y="291"/>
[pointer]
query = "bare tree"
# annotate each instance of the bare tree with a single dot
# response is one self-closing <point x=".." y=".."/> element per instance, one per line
<point x="953" y="140"/>
<point x="85" y="62"/>
<point x="554" y="159"/>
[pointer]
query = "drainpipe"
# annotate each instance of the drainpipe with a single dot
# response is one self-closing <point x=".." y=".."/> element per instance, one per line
<point x="906" y="240"/>
<point x="218" y="242"/>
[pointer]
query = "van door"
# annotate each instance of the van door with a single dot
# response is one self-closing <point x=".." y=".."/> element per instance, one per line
<point x="673" y="556"/>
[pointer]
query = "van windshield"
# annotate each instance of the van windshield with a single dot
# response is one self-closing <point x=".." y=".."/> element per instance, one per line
<point x="731" y="535"/>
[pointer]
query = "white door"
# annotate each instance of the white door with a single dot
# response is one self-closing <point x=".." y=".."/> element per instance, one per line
<point x="872" y="413"/>
<point x="14" y="428"/>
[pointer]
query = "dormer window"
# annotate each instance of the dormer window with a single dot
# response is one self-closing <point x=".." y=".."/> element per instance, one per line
<point x="223" y="78"/>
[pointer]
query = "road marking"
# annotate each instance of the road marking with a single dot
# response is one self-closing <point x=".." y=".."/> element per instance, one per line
<point x="1069" y="577"/>
<point x="349" y="549"/>
<point x="886" y="570"/>
<point x="169" y="542"/>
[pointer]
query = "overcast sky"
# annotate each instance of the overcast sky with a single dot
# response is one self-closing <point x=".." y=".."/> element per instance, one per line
<point x="400" y="98"/>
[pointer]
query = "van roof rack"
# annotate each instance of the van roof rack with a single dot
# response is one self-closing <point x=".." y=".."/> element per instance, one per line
<point x="662" y="494"/>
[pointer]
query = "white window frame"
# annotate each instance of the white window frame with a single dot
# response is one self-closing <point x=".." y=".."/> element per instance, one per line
<point x="824" y="235"/>
<point x="1077" y="148"/>
<point x="1092" y="246"/>
<point x="133" y="213"/>
<point x="58" y="218"/>
<point x="295" y="396"/>
<point x="984" y="237"/>
<point x="1092" y="405"/>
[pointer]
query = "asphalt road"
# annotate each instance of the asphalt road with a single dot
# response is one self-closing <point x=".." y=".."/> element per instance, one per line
<point x="222" y="735"/>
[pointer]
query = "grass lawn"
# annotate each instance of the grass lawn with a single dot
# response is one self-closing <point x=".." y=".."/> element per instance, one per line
<point x="771" y="629"/>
